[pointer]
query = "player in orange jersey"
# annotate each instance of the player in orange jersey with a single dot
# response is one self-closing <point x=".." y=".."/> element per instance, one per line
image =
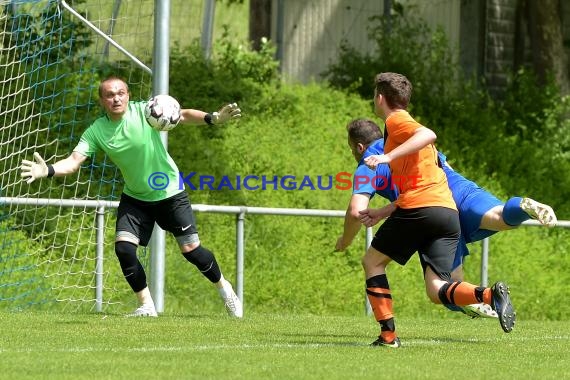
<point x="481" y="214"/>
<point x="425" y="219"/>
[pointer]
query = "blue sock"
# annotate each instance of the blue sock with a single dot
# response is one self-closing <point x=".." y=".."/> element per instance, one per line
<point x="513" y="215"/>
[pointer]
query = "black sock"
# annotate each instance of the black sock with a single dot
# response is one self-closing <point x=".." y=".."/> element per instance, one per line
<point x="206" y="263"/>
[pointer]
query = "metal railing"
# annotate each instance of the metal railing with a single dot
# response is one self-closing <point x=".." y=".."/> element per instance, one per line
<point x="238" y="211"/>
<point x="485" y="248"/>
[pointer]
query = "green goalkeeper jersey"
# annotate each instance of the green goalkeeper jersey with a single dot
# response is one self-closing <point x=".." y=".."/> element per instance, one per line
<point x="149" y="172"/>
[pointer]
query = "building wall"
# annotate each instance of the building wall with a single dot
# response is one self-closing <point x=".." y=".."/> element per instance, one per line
<point x="312" y="30"/>
<point x="439" y="13"/>
<point x="481" y="31"/>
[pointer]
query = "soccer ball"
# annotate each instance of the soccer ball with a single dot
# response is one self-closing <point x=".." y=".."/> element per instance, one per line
<point x="162" y="112"/>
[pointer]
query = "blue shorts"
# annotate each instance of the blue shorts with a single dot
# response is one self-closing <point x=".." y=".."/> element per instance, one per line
<point x="471" y="210"/>
<point x="461" y="252"/>
<point x="474" y="203"/>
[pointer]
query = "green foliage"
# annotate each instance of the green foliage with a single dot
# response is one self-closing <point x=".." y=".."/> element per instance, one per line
<point x="475" y="129"/>
<point x="536" y="133"/>
<point x="22" y="285"/>
<point x="234" y="73"/>
<point x="42" y="38"/>
<point x="289" y="129"/>
<point x="404" y="44"/>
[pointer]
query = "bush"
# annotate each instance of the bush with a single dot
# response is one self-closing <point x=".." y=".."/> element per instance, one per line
<point x="289" y="129"/>
<point x="526" y="131"/>
<point x="300" y="131"/>
<point x="281" y="252"/>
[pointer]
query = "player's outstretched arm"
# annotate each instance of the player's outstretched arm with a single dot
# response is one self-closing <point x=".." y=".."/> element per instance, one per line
<point x="374" y="160"/>
<point x="351" y="220"/>
<point x="32" y="170"/>
<point x="371" y="217"/>
<point x="422" y="137"/>
<point x="226" y="113"/>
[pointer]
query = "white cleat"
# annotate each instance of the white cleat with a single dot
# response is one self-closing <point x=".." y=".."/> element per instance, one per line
<point x="541" y="212"/>
<point x="231" y="300"/>
<point x="146" y="310"/>
<point x="482" y="310"/>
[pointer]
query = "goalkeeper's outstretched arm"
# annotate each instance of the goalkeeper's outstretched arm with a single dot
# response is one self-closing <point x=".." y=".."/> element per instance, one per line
<point x="226" y="113"/>
<point x="39" y="169"/>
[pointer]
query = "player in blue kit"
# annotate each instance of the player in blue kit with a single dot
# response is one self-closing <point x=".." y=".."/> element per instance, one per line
<point x="481" y="214"/>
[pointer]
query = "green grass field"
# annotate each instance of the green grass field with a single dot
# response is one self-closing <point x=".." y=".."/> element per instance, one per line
<point x="287" y="346"/>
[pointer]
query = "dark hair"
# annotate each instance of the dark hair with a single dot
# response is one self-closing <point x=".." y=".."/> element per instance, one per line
<point x="395" y="88"/>
<point x="363" y="131"/>
<point x="109" y="78"/>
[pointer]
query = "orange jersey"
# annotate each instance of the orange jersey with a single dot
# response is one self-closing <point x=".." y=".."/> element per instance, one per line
<point x="420" y="180"/>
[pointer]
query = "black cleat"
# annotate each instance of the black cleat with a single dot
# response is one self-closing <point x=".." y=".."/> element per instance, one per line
<point x="501" y="303"/>
<point x="381" y="342"/>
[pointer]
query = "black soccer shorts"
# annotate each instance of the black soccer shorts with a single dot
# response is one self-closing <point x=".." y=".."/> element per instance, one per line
<point x="173" y="214"/>
<point x="433" y="232"/>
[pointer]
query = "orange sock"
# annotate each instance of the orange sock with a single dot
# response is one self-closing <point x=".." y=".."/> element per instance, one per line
<point x="380" y="298"/>
<point x="381" y="301"/>
<point x="464" y="293"/>
<point x="487" y="296"/>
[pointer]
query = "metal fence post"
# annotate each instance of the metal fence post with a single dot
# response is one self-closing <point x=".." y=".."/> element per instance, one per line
<point x="240" y="228"/>
<point x="369" y="235"/>
<point x="208" y="27"/>
<point x="484" y="261"/>
<point x="100" y="249"/>
<point x="160" y="77"/>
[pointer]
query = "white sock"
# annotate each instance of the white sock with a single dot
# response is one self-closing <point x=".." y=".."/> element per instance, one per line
<point x="144" y="297"/>
<point x="220" y="284"/>
<point x="221" y="288"/>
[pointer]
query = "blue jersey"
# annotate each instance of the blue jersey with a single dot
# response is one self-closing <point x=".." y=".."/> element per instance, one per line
<point x="471" y="200"/>
<point x="368" y="181"/>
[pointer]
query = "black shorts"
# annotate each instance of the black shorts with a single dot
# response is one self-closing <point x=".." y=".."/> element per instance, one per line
<point x="173" y="214"/>
<point x="431" y="231"/>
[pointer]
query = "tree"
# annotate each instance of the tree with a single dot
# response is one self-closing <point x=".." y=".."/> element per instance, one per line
<point x="546" y="40"/>
<point x="259" y="21"/>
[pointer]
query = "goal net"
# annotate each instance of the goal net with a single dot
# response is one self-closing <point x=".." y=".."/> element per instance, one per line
<point x="50" y="67"/>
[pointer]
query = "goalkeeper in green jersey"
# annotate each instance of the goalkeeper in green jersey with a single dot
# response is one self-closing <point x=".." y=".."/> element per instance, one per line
<point x="124" y="135"/>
